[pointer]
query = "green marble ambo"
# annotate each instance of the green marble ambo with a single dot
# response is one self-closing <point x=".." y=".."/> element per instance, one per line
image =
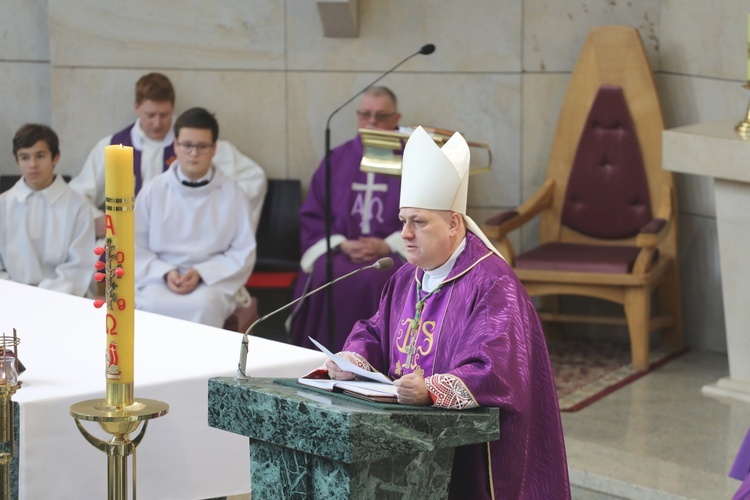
<point x="307" y="445"/>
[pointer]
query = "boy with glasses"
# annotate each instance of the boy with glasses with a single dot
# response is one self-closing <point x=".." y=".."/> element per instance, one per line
<point x="194" y="236"/>
<point x="153" y="151"/>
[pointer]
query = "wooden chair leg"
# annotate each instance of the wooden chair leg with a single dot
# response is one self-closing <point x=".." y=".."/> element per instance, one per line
<point x="638" y="313"/>
<point x="553" y="332"/>
<point x="670" y="303"/>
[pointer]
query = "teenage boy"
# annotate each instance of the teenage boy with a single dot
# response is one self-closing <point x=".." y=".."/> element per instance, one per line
<point x="46" y="229"/>
<point x="194" y="239"/>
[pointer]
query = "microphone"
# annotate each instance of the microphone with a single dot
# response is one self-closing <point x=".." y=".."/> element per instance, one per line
<point x="380" y="265"/>
<point x="427" y="49"/>
<point x="424" y="50"/>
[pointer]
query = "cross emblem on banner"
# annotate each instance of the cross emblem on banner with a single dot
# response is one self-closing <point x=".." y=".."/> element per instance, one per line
<point x="365" y="207"/>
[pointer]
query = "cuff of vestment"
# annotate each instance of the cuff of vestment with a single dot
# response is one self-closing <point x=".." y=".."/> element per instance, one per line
<point x="314" y="252"/>
<point x="396" y="243"/>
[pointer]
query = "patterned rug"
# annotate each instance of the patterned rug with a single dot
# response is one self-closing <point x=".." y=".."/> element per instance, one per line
<point x="586" y="371"/>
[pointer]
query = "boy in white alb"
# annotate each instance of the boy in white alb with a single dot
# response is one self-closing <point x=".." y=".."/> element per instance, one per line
<point x="153" y="151"/>
<point x="194" y="239"/>
<point x="46" y="229"/>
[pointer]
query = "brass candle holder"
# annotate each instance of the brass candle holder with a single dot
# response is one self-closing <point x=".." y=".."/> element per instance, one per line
<point x="118" y="414"/>
<point x="120" y="422"/>
<point x="9" y="384"/>
<point x="743" y="127"/>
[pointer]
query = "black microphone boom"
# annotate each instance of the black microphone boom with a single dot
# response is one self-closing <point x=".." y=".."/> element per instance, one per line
<point x="380" y="265"/>
<point x="424" y="50"/>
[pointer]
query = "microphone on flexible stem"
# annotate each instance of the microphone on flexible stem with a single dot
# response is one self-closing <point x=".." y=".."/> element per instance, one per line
<point x="424" y="50"/>
<point x="380" y="265"/>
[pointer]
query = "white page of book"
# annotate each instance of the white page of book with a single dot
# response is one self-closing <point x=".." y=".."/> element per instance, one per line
<point x="348" y="366"/>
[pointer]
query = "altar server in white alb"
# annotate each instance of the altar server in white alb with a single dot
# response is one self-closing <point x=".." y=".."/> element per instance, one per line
<point x="46" y="229"/>
<point x="153" y="151"/>
<point x="194" y="239"/>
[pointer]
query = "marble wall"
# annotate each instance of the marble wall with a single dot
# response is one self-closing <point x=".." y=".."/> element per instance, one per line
<point x="24" y="71"/>
<point x="264" y="67"/>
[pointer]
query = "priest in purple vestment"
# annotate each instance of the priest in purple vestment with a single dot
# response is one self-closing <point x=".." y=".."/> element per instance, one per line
<point x="364" y="228"/>
<point x="456" y="329"/>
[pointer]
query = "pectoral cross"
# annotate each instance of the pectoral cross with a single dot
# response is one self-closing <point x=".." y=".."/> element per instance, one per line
<point x="411" y="349"/>
<point x="416" y="324"/>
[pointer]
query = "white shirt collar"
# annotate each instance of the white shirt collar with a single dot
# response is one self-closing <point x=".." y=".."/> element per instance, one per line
<point x="434" y="277"/>
<point x="182" y="177"/>
<point x="51" y="192"/>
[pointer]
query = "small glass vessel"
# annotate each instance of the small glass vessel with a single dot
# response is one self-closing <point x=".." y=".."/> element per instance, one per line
<point x="8" y="373"/>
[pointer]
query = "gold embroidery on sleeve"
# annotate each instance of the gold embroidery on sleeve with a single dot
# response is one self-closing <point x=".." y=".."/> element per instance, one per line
<point x="450" y="392"/>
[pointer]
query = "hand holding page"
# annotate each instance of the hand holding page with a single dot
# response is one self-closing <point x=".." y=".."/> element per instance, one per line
<point x="348" y="366"/>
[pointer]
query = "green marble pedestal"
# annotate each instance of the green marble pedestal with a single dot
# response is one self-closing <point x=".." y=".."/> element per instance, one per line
<point x="304" y="444"/>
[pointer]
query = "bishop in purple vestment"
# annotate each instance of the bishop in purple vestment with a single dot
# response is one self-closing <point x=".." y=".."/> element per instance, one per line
<point x="364" y="228"/>
<point x="456" y="329"/>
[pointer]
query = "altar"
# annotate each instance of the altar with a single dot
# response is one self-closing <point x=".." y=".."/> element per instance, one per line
<point x="713" y="149"/>
<point x="63" y="348"/>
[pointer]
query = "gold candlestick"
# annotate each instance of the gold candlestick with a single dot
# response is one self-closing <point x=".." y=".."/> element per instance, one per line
<point x="119" y="422"/>
<point x="119" y="413"/>
<point x="743" y="127"/>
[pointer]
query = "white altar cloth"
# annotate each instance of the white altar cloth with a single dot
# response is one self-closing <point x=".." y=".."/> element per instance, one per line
<point x="63" y="345"/>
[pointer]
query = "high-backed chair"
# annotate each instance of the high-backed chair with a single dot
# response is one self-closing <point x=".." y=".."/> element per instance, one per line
<point x="608" y="218"/>
<point x="278" y="255"/>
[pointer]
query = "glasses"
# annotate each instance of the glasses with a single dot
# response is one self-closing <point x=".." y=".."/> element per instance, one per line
<point x="378" y="117"/>
<point x="200" y="148"/>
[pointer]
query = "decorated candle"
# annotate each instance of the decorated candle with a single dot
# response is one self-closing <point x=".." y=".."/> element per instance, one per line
<point x="119" y="273"/>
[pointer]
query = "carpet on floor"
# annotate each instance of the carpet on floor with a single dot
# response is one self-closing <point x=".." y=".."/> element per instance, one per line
<point x="586" y="371"/>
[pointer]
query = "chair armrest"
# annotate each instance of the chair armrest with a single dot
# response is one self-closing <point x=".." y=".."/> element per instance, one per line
<point x="498" y="226"/>
<point x="654" y="232"/>
<point x="657" y="229"/>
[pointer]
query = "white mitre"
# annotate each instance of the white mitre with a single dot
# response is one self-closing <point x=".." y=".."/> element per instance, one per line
<point x="436" y="178"/>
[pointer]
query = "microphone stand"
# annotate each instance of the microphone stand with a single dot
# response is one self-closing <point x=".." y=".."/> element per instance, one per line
<point x="426" y="50"/>
<point x="381" y="264"/>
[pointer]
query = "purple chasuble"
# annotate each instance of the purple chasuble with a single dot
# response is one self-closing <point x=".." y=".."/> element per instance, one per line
<point x="123" y="137"/>
<point x="362" y="204"/>
<point x="487" y="349"/>
<point x="418" y="330"/>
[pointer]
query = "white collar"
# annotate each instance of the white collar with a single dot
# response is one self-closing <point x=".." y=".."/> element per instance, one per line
<point x="434" y="277"/>
<point x="52" y="192"/>
<point x="182" y="177"/>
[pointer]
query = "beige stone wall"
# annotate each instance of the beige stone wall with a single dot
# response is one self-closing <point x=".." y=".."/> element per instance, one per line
<point x="24" y="71"/>
<point x="264" y="67"/>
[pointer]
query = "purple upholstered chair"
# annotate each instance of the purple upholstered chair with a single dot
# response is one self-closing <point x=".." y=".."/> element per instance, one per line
<point x="608" y="226"/>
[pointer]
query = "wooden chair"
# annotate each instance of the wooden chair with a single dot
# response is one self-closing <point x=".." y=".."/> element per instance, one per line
<point x="608" y="218"/>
